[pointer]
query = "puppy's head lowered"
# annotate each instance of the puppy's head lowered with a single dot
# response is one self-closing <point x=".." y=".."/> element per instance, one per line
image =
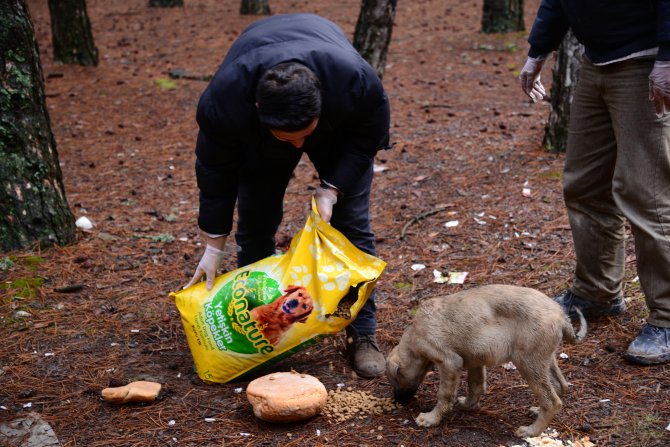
<point x="405" y="372"/>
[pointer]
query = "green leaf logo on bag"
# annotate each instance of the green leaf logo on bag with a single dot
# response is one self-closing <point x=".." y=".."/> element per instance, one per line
<point x="228" y="314"/>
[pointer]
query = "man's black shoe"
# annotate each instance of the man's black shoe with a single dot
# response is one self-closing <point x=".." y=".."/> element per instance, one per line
<point x="651" y="347"/>
<point x="568" y="301"/>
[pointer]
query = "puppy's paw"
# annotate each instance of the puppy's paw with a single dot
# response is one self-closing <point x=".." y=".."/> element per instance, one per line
<point x="466" y="404"/>
<point x="524" y="432"/>
<point x="427" y="419"/>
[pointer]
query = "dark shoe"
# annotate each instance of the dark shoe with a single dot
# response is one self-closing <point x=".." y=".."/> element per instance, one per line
<point x="366" y="358"/>
<point x="568" y="301"/>
<point x="651" y="347"/>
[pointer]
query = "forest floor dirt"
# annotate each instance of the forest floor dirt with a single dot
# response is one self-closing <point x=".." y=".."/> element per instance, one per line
<point x="467" y="145"/>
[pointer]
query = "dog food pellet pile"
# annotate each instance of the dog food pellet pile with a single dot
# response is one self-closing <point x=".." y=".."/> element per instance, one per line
<point x="551" y="440"/>
<point x="347" y="404"/>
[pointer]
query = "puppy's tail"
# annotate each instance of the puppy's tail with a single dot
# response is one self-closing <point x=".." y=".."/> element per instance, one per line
<point x="569" y="334"/>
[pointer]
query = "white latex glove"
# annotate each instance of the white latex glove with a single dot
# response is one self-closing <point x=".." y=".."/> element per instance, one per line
<point x="530" y="78"/>
<point x="325" y="199"/>
<point x="209" y="264"/>
<point x="659" y="87"/>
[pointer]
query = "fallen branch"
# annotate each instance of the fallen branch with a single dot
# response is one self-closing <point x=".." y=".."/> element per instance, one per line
<point x="420" y="217"/>
<point x="178" y="73"/>
<point x="434" y="106"/>
<point x="72" y="288"/>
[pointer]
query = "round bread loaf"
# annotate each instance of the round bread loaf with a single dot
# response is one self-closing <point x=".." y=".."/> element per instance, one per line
<point x="286" y="396"/>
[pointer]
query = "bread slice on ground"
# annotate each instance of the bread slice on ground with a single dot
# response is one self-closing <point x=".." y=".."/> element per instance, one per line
<point x="286" y="396"/>
<point x="140" y="391"/>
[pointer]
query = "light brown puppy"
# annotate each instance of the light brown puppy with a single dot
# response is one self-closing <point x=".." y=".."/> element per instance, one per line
<point x="480" y="327"/>
<point x="275" y="318"/>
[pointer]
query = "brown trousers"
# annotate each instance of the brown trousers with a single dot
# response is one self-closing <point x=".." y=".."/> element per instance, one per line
<point x="617" y="167"/>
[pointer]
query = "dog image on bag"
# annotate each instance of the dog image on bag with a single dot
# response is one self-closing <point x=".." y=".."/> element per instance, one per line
<point x="484" y="326"/>
<point x="277" y="317"/>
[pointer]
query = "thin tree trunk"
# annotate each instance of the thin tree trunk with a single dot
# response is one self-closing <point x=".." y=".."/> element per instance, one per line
<point x="564" y="80"/>
<point x="255" y="7"/>
<point x="373" y="32"/>
<point x="166" y="3"/>
<point x="71" y="33"/>
<point x="33" y="206"/>
<point x="502" y="16"/>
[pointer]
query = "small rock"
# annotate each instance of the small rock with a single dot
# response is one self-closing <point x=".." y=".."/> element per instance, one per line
<point x="25" y="394"/>
<point x="29" y="431"/>
<point x="585" y="428"/>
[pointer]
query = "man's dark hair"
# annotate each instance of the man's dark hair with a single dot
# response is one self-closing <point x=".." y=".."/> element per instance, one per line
<point x="288" y="97"/>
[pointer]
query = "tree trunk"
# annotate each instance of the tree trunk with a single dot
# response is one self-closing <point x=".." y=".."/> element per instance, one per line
<point x="373" y="32"/>
<point x="502" y="16"/>
<point x="33" y="206"/>
<point x="255" y="7"/>
<point x="71" y="33"/>
<point x="166" y="3"/>
<point x="564" y="80"/>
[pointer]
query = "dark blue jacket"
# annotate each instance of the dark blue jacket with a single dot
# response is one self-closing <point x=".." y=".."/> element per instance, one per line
<point x="353" y="126"/>
<point x="608" y="29"/>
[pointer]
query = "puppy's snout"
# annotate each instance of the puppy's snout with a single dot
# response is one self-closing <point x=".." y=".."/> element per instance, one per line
<point x="403" y="396"/>
<point x="292" y="303"/>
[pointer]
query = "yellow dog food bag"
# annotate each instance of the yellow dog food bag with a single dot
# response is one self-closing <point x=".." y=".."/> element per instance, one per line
<point x="258" y="314"/>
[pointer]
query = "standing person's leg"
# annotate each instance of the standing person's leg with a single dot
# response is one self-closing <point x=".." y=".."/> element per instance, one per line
<point x="597" y="223"/>
<point x="641" y="189"/>
<point x="260" y="202"/>
<point x="351" y="216"/>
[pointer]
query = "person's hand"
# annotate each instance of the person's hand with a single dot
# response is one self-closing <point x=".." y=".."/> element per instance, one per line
<point x="325" y="199"/>
<point x="209" y="264"/>
<point x="659" y="87"/>
<point x="530" y="78"/>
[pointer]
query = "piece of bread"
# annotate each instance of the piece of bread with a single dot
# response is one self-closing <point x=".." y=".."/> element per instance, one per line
<point x="140" y="391"/>
<point x="286" y="396"/>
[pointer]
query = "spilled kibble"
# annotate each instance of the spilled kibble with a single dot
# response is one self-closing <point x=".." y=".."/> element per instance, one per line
<point x="551" y="439"/>
<point x="346" y="404"/>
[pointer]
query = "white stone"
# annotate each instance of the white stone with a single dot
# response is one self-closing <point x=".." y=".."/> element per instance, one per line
<point x="84" y="223"/>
